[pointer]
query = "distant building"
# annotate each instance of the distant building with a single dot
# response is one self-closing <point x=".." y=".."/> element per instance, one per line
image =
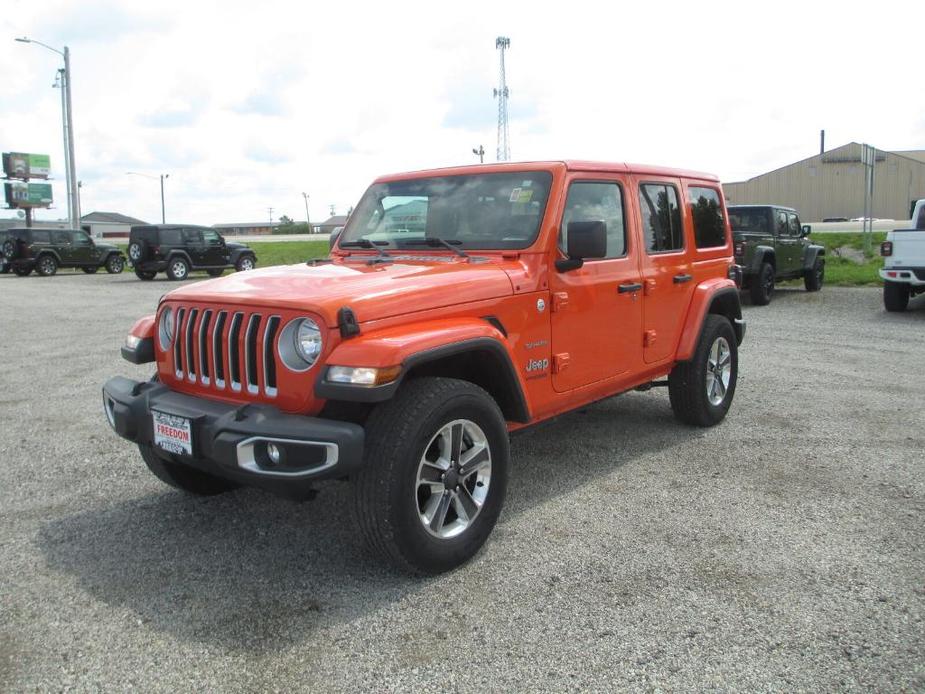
<point x="830" y="185"/>
<point x="108" y="225"/>
<point x="246" y="228"/>
<point x="331" y="223"/>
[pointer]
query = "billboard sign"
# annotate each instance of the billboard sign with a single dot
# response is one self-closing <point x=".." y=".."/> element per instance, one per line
<point x="21" y="165"/>
<point x="22" y="194"/>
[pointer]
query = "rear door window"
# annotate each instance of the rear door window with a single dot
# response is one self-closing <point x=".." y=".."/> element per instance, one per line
<point x="41" y="237"/>
<point x="60" y="238"/>
<point x="171" y="237"/>
<point x="661" y="217"/>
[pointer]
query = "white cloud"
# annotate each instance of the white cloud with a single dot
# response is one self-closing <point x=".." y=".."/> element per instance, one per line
<point x="247" y="106"/>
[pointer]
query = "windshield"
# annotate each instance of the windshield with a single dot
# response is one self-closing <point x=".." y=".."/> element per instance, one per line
<point x="487" y="211"/>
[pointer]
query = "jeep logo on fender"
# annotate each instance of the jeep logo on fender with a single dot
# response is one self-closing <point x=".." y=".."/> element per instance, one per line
<point x="537" y="365"/>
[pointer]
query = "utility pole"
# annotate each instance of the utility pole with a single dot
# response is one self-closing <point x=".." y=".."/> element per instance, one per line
<point x="307" y="219"/>
<point x="480" y="153"/>
<point x="502" y="93"/>
<point x="270" y="210"/>
<point x="333" y="210"/>
<point x="162" y="177"/>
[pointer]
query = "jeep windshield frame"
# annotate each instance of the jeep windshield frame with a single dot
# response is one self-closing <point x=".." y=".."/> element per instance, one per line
<point x="484" y="211"/>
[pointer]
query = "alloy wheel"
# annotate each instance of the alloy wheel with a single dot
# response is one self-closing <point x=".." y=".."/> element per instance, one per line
<point x="719" y="370"/>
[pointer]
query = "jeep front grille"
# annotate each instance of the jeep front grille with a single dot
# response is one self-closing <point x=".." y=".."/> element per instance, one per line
<point x="233" y="350"/>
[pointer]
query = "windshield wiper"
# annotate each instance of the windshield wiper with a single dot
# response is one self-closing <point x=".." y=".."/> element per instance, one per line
<point x="383" y="257"/>
<point x="434" y="242"/>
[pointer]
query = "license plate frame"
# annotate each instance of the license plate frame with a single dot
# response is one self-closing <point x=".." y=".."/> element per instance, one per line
<point x="172" y="433"/>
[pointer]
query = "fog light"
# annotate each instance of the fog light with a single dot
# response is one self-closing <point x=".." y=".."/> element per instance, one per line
<point x="273" y="453"/>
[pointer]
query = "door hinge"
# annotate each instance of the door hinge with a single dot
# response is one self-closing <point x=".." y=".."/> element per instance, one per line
<point x="648" y="338"/>
<point x="559" y="301"/>
<point x="560" y="362"/>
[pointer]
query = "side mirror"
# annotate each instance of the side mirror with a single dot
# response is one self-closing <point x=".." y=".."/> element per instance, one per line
<point x="585" y="240"/>
<point x="334" y="236"/>
<point x="806" y="230"/>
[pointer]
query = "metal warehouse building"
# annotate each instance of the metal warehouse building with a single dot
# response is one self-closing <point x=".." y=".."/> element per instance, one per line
<point x="831" y="185"/>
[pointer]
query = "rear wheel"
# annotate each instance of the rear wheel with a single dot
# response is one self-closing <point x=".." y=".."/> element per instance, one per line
<point x="177" y="269"/>
<point x="91" y="270"/>
<point x="895" y="296"/>
<point x="22" y="271"/>
<point x="762" y="285"/>
<point x="183" y="476"/>
<point x="46" y="266"/>
<point x="4" y="267"/>
<point x="115" y="264"/>
<point x="813" y="279"/>
<point x="435" y="474"/>
<point x="701" y="390"/>
<point x="245" y="262"/>
<point x="144" y="275"/>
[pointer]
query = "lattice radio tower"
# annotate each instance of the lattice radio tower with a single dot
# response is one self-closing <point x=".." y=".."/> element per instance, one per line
<point x="502" y="93"/>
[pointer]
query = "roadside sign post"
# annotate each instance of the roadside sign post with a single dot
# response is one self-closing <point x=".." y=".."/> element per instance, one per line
<point x="869" y="160"/>
<point x="19" y="193"/>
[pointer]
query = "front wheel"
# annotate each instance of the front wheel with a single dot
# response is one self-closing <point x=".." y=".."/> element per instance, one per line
<point x="701" y="390"/>
<point x="183" y="476"/>
<point x="813" y="279"/>
<point x="435" y="474"/>
<point x="47" y="266"/>
<point x="245" y="263"/>
<point x="895" y="296"/>
<point x="762" y="285"/>
<point x="177" y="269"/>
<point x="115" y="264"/>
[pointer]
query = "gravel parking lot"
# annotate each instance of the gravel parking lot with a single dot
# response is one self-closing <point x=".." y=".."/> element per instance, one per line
<point x="782" y="550"/>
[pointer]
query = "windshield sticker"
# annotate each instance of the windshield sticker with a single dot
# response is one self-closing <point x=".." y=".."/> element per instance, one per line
<point x="525" y="196"/>
<point x="514" y="195"/>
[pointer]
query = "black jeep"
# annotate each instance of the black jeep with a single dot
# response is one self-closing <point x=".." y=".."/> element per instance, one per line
<point x="179" y="248"/>
<point x="771" y="245"/>
<point x="45" y="250"/>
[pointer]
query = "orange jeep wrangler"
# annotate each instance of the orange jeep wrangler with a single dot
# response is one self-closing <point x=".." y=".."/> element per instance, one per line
<point x="458" y="305"/>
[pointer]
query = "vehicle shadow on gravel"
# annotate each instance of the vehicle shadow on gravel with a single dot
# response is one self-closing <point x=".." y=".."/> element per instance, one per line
<point x="248" y="572"/>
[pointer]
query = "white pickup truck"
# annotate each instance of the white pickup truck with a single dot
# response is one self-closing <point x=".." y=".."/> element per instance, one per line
<point x="903" y="269"/>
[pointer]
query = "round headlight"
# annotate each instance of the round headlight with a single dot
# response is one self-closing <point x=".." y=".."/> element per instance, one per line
<point x="308" y="340"/>
<point x="165" y="328"/>
<point x="300" y="344"/>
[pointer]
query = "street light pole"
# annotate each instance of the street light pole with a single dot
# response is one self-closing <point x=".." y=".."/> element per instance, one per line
<point x="73" y="206"/>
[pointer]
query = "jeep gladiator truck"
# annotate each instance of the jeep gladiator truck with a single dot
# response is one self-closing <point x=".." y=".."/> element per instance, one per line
<point x="771" y="245"/>
<point x="457" y="306"/>
<point x="903" y="271"/>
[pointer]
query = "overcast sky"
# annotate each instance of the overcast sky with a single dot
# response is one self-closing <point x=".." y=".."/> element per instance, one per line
<point x="246" y="105"/>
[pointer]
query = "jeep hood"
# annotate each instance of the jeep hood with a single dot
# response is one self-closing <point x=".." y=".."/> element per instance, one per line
<point x="373" y="292"/>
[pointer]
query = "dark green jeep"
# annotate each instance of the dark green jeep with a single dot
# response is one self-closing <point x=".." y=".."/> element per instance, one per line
<point x="771" y="245"/>
<point x="45" y="250"/>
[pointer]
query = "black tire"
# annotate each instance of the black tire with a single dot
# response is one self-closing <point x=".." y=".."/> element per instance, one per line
<point x="137" y="251"/>
<point x="814" y="278"/>
<point x="689" y="382"/>
<point x="5" y="267"/>
<point x="47" y="265"/>
<point x="9" y="249"/>
<point x="217" y="272"/>
<point x="178" y="268"/>
<point x="144" y="275"/>
<point x="245" y="262"/>
<point x="388" y="495"/>
<point x="90" y="270"/>
<point x="183" y="476"/>
<point x="762" y="285"/>
<point x="895" y="296"/>
<point x="22" y="271"/>
<point x="115" y="264"/>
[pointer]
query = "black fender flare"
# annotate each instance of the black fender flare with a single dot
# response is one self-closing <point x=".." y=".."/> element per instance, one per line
<point x="761" y="252"/>
<point x="810" y="254"/>
<point x="512" y="400"/>
<point x="51" y="252"/>
<point x="236" y="254"/>
<point x="183" y="254"/>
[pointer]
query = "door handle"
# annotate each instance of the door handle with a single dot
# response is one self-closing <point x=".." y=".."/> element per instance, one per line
<point x="681" y="279"/>
<point x="624" y="288"/>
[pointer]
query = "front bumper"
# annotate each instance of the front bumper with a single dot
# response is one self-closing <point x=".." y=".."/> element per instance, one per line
<point x="914" y="276"/>
<point x="230" y="441"/>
